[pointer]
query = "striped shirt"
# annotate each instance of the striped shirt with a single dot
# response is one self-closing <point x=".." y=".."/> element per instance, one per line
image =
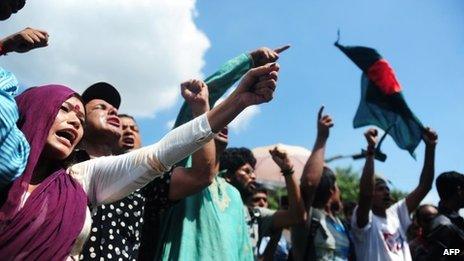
<point x="14" y="149"/>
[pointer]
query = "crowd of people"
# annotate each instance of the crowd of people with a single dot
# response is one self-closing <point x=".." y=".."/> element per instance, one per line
<point x="77" y="184"/>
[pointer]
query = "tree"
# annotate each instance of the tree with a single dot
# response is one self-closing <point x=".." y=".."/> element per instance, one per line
<point x="348" y="183"/>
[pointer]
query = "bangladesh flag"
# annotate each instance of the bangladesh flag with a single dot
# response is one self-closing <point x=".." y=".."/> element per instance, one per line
<point x="382" y="102"/>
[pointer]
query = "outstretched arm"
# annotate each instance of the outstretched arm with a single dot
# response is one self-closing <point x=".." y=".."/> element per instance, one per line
<point x="367" y="183"/>
<point x="295" y="213"/>
<point x="188" y="181"/>
<point x="107" y="179"/>
<point x="24" y="41"/>
<point x="314" y="166"/>
<point x="428" y="171"/>
<point x="256" y="87"/>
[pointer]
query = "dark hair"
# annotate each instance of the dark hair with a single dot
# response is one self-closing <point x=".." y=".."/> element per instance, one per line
<point x="419" y="213"/>
<point x="234" y="158"/>
<point x="260" y="189"/>
<point x="447" y="184"/>
<point x="122" y="115"/>
<point x="327" y="182"/>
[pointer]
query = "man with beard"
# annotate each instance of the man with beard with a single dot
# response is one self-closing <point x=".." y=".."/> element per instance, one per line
<point x="379" y="228"/>
<point x="116" y="228"/>
<point x="239" y="165"/>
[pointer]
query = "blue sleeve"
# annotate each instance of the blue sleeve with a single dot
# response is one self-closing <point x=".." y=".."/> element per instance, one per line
<point x="14" y="149"/>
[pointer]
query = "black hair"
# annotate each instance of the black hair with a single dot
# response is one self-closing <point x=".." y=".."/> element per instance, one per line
<point x="448" y="183"/>
<point x="326" y="183"/>
<point x="234" y="158"/>
<point x="419" y="213"/>
<point x="122" y="115"/>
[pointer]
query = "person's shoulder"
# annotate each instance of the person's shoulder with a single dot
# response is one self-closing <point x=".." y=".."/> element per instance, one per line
<point x="263" y="212"/>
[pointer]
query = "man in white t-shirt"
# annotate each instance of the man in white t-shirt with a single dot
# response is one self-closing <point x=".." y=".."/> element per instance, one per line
<point x="379" y="228"/>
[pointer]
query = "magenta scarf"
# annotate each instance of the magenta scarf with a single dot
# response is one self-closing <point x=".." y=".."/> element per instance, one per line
<point x="54" y="213"/>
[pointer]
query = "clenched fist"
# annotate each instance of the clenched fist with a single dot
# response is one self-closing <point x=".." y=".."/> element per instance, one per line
<point x="24" y="41"/>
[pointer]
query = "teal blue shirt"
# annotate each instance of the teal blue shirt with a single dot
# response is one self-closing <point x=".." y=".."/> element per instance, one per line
<point x="14" y="148"/>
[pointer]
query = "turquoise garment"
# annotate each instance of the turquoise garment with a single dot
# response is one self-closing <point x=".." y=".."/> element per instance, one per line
<point x="218" y="83"/>
<point x="14" y="148"/>
<point x="209" y="225"/>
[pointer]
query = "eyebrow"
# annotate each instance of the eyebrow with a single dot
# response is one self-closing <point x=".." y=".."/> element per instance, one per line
<point x="73" y="108"/>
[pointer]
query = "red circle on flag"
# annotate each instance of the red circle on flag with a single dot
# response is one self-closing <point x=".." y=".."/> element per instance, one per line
<point x="384" y="77"/>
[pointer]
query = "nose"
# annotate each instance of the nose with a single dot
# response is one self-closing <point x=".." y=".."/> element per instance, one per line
<point x="75" y="122"/>
<point x="113" y="111"/>
<point x="253" y="175"/>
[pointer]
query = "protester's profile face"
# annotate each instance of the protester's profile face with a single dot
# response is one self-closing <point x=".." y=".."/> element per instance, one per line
<point x="245" y="177"/>
<point x="130" y="138"/>
<point x="102" y="118"/>
<point x="259" y="199"/>
<point x="9" y="7"/>
<point x="67" y="130"/>
<point x="336" y="202"/>
<point x="382" y="198"/>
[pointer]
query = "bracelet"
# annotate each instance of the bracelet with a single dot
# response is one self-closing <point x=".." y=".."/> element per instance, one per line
<point x="287" y="172"/>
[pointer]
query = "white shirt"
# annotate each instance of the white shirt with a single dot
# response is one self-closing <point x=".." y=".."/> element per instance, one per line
<point x="383" y="238"/>
<point x="111" y="178"/>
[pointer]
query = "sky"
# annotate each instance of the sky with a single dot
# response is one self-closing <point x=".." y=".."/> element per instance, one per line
<point x="146" y="48"/>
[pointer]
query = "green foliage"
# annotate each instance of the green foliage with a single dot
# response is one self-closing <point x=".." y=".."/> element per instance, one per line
<point x="397" y="194"/>
<point x="274" y="196"/>
<point x="348" y="182"/>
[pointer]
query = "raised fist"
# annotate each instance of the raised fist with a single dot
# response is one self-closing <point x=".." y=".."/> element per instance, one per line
<point x="371" y="137"/>
<point x="430" y="137"/>
<point x="258" y="85"/>
<point x="195" y="93"/>
<point x="24" y="41"/>
<point x="280" y="157"/>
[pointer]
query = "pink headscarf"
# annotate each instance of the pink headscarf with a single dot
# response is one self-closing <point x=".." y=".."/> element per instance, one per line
<point x="52" y="217"/>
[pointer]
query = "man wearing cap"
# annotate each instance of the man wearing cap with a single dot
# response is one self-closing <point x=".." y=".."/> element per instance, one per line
<point x="103" y="127"/>
<point x="116" y="228"/>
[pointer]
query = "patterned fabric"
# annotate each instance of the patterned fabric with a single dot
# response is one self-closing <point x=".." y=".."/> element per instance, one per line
<point x="116" y="228"/>
<point x="14" y="149"/>
<point x="209" y="225"/>
<point x="331" y="241"/>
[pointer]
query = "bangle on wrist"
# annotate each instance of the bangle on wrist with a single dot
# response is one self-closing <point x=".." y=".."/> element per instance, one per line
<point x="287" y="172"/>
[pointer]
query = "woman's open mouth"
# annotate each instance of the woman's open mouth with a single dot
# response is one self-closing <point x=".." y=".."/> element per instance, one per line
<point x="66" y="136"/>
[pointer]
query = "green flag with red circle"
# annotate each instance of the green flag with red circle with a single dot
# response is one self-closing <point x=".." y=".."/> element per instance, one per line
<point x="382" y="102"/>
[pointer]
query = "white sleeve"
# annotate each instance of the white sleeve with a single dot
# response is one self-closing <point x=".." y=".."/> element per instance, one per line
<point x="359" y="233"/>
<point x="108" y="179"/>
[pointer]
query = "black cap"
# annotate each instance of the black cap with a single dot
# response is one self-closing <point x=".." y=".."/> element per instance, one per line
<point x="103" y="91"/>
